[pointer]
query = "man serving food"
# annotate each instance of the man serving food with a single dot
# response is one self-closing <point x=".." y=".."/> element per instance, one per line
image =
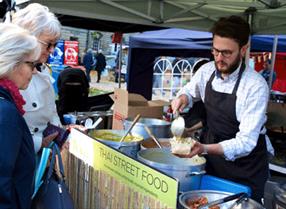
<point x="235" y="99"/>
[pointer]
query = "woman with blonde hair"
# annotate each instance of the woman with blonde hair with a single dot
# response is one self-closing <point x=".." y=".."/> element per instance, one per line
<point x="40" y="97"/>
<point x="18" y="52"/>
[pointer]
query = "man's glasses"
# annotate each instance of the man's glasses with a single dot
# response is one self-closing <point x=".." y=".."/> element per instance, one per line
<point x="224" y="53"/>
<point x="49" y="45"/>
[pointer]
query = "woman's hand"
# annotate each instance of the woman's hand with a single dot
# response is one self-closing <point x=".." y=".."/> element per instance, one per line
<point x="48" y="139"/>
<point x="79" y="127"/>
<point x="66" y="146"/>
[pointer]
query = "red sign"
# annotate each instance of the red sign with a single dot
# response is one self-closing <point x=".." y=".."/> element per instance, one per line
<point x="71" y="53"/>
<point x="117" y="37"/>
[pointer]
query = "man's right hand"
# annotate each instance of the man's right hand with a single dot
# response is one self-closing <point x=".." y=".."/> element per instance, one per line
<point x="180" y="103"/>
<point x="48" y="139"/>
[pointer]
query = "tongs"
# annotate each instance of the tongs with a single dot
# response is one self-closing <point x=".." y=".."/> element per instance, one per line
<point x="239" y="201"/>
<point x="223" y="200"/>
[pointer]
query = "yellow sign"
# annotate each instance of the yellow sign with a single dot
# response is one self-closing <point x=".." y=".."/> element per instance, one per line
<point x="139" y="177"/>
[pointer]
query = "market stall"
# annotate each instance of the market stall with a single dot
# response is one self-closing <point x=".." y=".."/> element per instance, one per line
<point x="100" y="176"/>
<point x="105" y="173"/>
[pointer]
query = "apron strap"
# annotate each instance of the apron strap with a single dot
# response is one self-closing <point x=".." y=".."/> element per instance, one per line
<point x="242" y="67"/>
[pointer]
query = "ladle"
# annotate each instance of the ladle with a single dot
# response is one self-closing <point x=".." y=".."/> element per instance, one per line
<point x="178" y="126"/>
<point x="88" y="123"/>
<point x="130" y="128"/>
<point x="152" y="136"/>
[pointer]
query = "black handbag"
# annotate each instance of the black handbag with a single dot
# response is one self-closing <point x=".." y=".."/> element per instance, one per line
<point x="53" y="193"/>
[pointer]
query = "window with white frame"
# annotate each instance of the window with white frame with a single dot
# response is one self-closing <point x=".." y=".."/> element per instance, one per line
<point x="170" y="74"/>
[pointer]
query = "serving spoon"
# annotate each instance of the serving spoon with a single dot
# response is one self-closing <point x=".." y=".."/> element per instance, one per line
<point x="178" y="126"/>
<point x="152" y="136"/>
<point x="130" y="128"/>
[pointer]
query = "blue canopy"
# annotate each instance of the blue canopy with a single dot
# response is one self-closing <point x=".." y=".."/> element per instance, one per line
<point x="172" y="39"/>
<point x="264" y="43"/>
<point x="185" y="39"/>
<point x="145" y="47"/>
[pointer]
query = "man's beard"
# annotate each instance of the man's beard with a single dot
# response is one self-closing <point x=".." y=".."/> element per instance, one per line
<point x="231" y="68"/>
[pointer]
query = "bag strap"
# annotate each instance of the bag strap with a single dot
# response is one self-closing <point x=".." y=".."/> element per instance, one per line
<point x="52" y="164"/>
<point x="43" y="164"/>
<point x="56" y="152"/>
<point x="41" y="169"/>
<point x="60" y="162"/>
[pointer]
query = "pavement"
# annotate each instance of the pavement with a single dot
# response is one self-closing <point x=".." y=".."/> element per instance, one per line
<point x="106" y="83"/>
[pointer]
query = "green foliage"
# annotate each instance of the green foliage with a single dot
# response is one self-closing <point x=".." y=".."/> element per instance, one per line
<point x="94" y="92"/>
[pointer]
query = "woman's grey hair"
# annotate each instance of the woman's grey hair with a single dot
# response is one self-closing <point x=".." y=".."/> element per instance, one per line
<point x="16" y="44"/>
<point x="38" y="20"/>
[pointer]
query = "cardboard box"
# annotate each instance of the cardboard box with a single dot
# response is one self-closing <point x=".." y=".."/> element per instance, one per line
<point x="129" y="105"/>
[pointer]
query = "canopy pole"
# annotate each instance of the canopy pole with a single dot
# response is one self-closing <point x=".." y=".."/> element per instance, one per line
<point x="273" y="58"/>
<point x="247" y="55"/>
<point x="249" y="14"/>
<point x="120" y="64"/>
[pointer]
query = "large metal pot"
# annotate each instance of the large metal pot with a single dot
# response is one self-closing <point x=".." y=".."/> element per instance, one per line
<point x="160" y="128"/>
<point x="212" y="195"/>
<point x="130" y="148"/>
<point x="186" y="170"/>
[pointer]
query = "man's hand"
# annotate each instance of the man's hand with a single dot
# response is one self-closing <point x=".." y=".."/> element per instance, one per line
<point x="180" y="103"/>
<point x="196" y="149"/>
<point x="48" y="139"/>
<point x="203" y="149"/>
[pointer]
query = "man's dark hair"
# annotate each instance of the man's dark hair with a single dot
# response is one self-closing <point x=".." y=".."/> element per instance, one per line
<point x="233" y="27"/>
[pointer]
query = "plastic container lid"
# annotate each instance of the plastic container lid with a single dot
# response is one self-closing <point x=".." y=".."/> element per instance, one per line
<point x="209" y="182"/>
